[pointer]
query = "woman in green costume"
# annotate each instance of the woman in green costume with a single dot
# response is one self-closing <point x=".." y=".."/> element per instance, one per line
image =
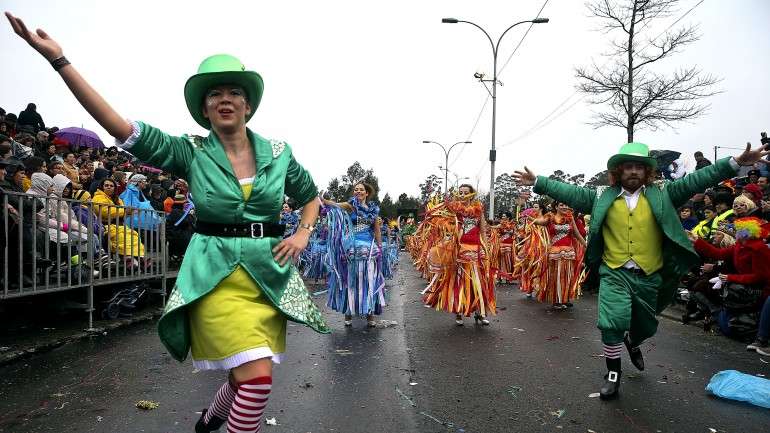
<point x="237" y="286"/>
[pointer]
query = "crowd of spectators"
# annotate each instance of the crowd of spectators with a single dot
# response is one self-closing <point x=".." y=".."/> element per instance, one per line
<point x="56" y="191"/>
<point x="728" y="225"/>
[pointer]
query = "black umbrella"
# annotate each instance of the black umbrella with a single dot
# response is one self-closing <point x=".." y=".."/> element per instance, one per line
<point x="665" y="157"/>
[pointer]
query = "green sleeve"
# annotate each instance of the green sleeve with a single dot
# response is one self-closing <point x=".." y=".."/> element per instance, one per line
<point x="698" y="181"/>
<point x="173" y="154"/>
<point x="579" y="198"/>
<point x="299" y="184"/>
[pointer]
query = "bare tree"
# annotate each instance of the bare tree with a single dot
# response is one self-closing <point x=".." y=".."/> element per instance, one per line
<point x="634" y="95"/>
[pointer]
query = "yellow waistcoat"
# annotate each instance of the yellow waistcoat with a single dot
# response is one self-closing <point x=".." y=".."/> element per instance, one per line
<point x="632" y="235"/>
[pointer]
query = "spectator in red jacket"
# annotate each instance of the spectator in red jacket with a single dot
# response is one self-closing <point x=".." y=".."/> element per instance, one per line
<point x="750" y="256"/>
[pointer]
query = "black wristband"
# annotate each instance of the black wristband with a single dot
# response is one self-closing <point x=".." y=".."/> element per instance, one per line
<point x="59" y="63"/>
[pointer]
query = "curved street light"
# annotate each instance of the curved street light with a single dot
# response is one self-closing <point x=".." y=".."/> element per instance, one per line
<point x="493" y="93"/>
<point x="446" y="158"/>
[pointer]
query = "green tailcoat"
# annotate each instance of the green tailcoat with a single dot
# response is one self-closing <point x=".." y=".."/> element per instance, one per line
<point x="664" y="198"/>
<point x="218" y="198"/>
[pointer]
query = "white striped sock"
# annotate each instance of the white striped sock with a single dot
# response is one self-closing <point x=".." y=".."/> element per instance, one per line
<point x="612" y="351"/>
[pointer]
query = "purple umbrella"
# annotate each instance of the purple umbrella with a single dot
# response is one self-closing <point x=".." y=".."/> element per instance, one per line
<point x="80" y="137"/>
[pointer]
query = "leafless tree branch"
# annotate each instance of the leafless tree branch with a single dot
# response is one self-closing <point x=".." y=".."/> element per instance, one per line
<point x="632" y="95"/>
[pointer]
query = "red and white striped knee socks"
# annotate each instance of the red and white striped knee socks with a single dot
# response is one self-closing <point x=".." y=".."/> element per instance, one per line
<point x="249" y="405"/>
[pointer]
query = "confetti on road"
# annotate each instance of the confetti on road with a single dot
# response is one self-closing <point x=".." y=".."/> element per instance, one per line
<point x="514" y="391"/>
<point x="147" y="404"/>
<point x="558" y="413"/>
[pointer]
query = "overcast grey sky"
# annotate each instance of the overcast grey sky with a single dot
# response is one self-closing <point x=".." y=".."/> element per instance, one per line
<point x="366" y="81"/>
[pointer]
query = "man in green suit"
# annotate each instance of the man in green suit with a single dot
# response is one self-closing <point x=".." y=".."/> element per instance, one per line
<point x="638" y="250"/>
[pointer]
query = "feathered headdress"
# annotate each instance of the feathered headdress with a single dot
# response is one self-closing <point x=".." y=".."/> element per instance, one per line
<point x="751" y="228"/>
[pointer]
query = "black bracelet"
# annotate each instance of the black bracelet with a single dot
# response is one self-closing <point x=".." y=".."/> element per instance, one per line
<point x="59" y="63"/>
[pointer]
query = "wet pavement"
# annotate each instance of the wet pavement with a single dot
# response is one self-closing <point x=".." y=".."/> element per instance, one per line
<point x="532" y="370"/>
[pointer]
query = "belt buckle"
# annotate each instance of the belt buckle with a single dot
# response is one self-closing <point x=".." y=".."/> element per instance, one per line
<point x="261" y="230"/>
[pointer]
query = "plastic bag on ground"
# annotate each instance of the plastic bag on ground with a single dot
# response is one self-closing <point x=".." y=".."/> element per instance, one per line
<point x="739" y="386"/>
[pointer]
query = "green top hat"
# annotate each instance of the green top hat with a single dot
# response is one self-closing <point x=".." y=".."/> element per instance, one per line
<point x="634" y="152"/>
<point x="216" y="70"/>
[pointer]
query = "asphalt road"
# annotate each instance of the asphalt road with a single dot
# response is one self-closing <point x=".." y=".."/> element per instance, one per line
<point x="531" y="371"/>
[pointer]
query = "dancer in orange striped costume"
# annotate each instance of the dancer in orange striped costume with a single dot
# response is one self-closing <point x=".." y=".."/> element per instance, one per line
<point x="463" y="281"/>
<point x="565" y="257"/>
<point x="530" y="266"/>
<point x="507" y="233"/>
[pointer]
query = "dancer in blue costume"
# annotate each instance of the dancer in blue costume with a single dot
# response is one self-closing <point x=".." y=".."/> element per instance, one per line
<point x="387" y="259"/>
<point x="313" y="259"/>
<point x="289" y="218"/>
<point x="390" y="251"/>
<point x="356" y="283"/>
<point x="394" y="245"/>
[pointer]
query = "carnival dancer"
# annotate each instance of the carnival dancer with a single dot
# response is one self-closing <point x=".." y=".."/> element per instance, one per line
<point x="637" y="249"/>
<point x="289" y="219"/>
<point x="565" y="257"/>
<point x="394" y="243"/>
<point x="531" y="264"/>
<point x="407" y="233"/>
<point x="465" y="285"/>
<point x="507" y="234"/>
<point x="315" y="253"/>
<point x="236" y="286"/>
<point x="388" y="263"/>
<point x="356" y="284"/>
<point x="431" y="243"/>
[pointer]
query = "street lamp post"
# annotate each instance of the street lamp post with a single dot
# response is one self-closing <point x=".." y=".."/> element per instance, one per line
<point x="723" y="147"/>
<point x="493" y="93"/>
<point x="457" y="177"/>
<point x="446" y="159"/>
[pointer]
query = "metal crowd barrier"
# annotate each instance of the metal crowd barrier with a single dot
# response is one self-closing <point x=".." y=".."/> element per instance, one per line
<point x="116" y="244"/>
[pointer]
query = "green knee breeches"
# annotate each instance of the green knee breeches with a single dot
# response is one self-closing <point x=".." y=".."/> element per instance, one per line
<point x="627" y="303"/>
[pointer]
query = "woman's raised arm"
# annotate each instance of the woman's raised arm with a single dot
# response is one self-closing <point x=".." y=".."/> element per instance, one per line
<point x="96" y="106"/>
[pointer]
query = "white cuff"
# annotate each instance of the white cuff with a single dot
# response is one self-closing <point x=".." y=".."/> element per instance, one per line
<point x="734" y="164"/>
<point x="136" y="131"/>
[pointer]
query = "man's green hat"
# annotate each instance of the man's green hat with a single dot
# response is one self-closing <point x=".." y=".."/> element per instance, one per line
<point x="633" y="152"/>
<point x="216" y="70"/>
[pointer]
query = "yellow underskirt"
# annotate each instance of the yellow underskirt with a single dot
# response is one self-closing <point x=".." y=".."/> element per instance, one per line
<point x="235" y="317"/>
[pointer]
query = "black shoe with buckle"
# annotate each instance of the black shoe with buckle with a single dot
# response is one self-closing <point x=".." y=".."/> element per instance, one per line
<point x="635" y="353"/>
<point x="611" y="385"/>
